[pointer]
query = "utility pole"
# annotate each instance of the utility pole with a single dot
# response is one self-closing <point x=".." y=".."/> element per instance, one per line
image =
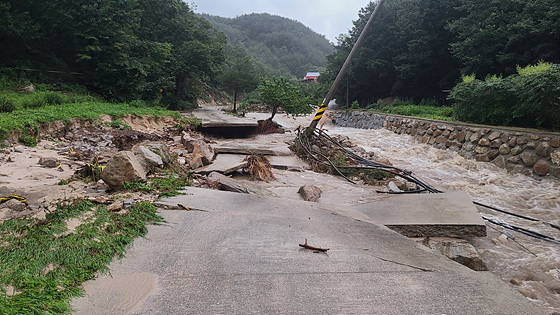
<point x="344" y="69"/>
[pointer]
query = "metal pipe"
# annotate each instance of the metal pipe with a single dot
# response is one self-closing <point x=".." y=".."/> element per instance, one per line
<point x="344" y="68"/>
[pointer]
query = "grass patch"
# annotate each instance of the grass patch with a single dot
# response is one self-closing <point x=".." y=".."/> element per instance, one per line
<point x="45" y="264"/>
<point x="166" y="187"/>
<point x="22" y="118"/>
<point x="428" y="112"/>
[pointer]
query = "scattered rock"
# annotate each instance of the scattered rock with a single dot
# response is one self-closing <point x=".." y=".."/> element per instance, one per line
<point x="28" y="89"/>
<point x="49" y="162"/>
<point x="162" y="150"/>
<point x="115" y="206"/>
<point x="148" y="159"/>
<point x="13" y="205"/>
<point x="393" y="187"/>
<point x="230" y="184"/>
<point x="201" y="148"/>
<point x="310" y="193"/>
<point x="460" y="251"/>
<point x="123" y="167"/>
<point x="19" y="148"/>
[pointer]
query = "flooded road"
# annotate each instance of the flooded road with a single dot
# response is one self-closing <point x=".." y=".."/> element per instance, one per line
<point x="530" y="265"/>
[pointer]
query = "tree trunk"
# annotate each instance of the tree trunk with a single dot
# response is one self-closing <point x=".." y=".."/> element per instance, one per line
<point x="235" y="101"/>
<point x="274" y="109"/>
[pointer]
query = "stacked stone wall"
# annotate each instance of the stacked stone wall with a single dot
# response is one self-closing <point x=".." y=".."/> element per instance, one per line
<point x="517" y="150"/>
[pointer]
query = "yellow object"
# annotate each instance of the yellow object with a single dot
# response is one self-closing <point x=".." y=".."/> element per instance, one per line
<point x="18" y="198"/>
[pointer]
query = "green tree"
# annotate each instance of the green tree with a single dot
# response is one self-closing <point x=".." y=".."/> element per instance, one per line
<point x="280" y="93"/>
<point x="405" y="53"/>
<point x="240" y="74"/>
<point x="493" y="36"/>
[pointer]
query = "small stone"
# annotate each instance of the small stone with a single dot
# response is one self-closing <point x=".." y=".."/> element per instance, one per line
<point x="512" y="142"/>
<point x="461" y="136"/>
<point x="127" y="203"/>
<point x="554" y="143"/>
<point x="541" y="168"/>
<point x="310" y="193"/>
<point x="516" y="150"/>
<point x="528" y="158"/>
<point x="531" y="145"/>
<point x="514" y="159"/>
<point x="504" y="149"/>
<point x="49" y="162"/>
<point x="543" y="150"/>
<point x="115" y="206"/>
<point x="481" y="150"/>
<point x="19" y="149"/>
<point x="475" y="137"/>
<point x="14" y="205"/>
<point x="494" y="135"/>
<point x="484" y="142"/>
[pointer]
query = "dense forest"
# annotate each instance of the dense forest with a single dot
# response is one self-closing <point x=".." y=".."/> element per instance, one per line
<point x="155" y="50"/>
<point x="419" y="49"/>
<point x="280" y="46"/>
<point x="161" y="52"/>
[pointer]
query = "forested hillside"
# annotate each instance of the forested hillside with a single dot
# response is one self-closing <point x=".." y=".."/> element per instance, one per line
<point x="155" y="50"/>
<point x="417" y="49"/>
<point x="281" y="47"/>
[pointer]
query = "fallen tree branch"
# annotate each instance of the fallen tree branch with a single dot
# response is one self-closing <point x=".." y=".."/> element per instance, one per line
<point x="313" y="247"/>
<point x="190" y="209"/>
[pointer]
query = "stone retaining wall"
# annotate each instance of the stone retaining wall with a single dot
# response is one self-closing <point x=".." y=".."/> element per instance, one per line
<point x="517" y="150"/>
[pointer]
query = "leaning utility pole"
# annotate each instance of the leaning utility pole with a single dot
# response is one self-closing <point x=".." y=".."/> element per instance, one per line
<point x="344" y="69"/>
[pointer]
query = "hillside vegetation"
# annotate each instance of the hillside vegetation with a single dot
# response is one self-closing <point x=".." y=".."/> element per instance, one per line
<point x="281" y="47"/>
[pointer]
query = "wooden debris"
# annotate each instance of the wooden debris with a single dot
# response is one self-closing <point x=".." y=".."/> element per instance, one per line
<point x="259" y="168"/>
<point x="190" y="209"/>
<point x="305" y="245"/>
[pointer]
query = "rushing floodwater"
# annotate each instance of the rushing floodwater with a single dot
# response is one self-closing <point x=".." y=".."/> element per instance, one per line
<point x="530" y="265"/>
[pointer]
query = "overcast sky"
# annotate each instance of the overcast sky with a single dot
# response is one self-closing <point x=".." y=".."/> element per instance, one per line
<point x="326" y="17"/>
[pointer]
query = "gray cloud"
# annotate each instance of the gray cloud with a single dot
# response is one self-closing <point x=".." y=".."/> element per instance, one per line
<point x="327" y="17"/>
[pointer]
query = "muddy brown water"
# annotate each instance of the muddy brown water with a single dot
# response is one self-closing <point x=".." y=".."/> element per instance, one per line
<point x="530" y="265"/>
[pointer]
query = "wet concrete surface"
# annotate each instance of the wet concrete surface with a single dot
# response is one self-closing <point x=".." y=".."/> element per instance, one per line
<point x="241" y="256"/>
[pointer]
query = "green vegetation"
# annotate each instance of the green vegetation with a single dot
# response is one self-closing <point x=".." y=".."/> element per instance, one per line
<point x="281" y="47"/>
<point x="240" y="75"/>
<point x="30" y="110"/>
<point x="45" y="263"/>
<point x="165" y="187"/>
<point x="154" y="50"/>
<point x="280" y="93"/>
<point x="420" y="49"/>
<point x="529" y="99"/>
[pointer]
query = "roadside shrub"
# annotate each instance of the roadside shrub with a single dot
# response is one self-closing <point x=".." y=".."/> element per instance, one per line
<point x="529" y="99"/>
<point x="428" y="102"/>
<point x="41" y="99"/>
<point x="7" y="105"/>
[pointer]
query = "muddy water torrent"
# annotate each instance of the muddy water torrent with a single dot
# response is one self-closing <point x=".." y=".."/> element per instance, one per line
<point x="531" y="266"/>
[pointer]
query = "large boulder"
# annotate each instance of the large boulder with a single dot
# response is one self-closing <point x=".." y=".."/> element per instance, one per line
<point x="123" y="167"/>
<point x="147" y="158"/>
<point x="161" y="150"/>
<point x="200" y="148"/>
